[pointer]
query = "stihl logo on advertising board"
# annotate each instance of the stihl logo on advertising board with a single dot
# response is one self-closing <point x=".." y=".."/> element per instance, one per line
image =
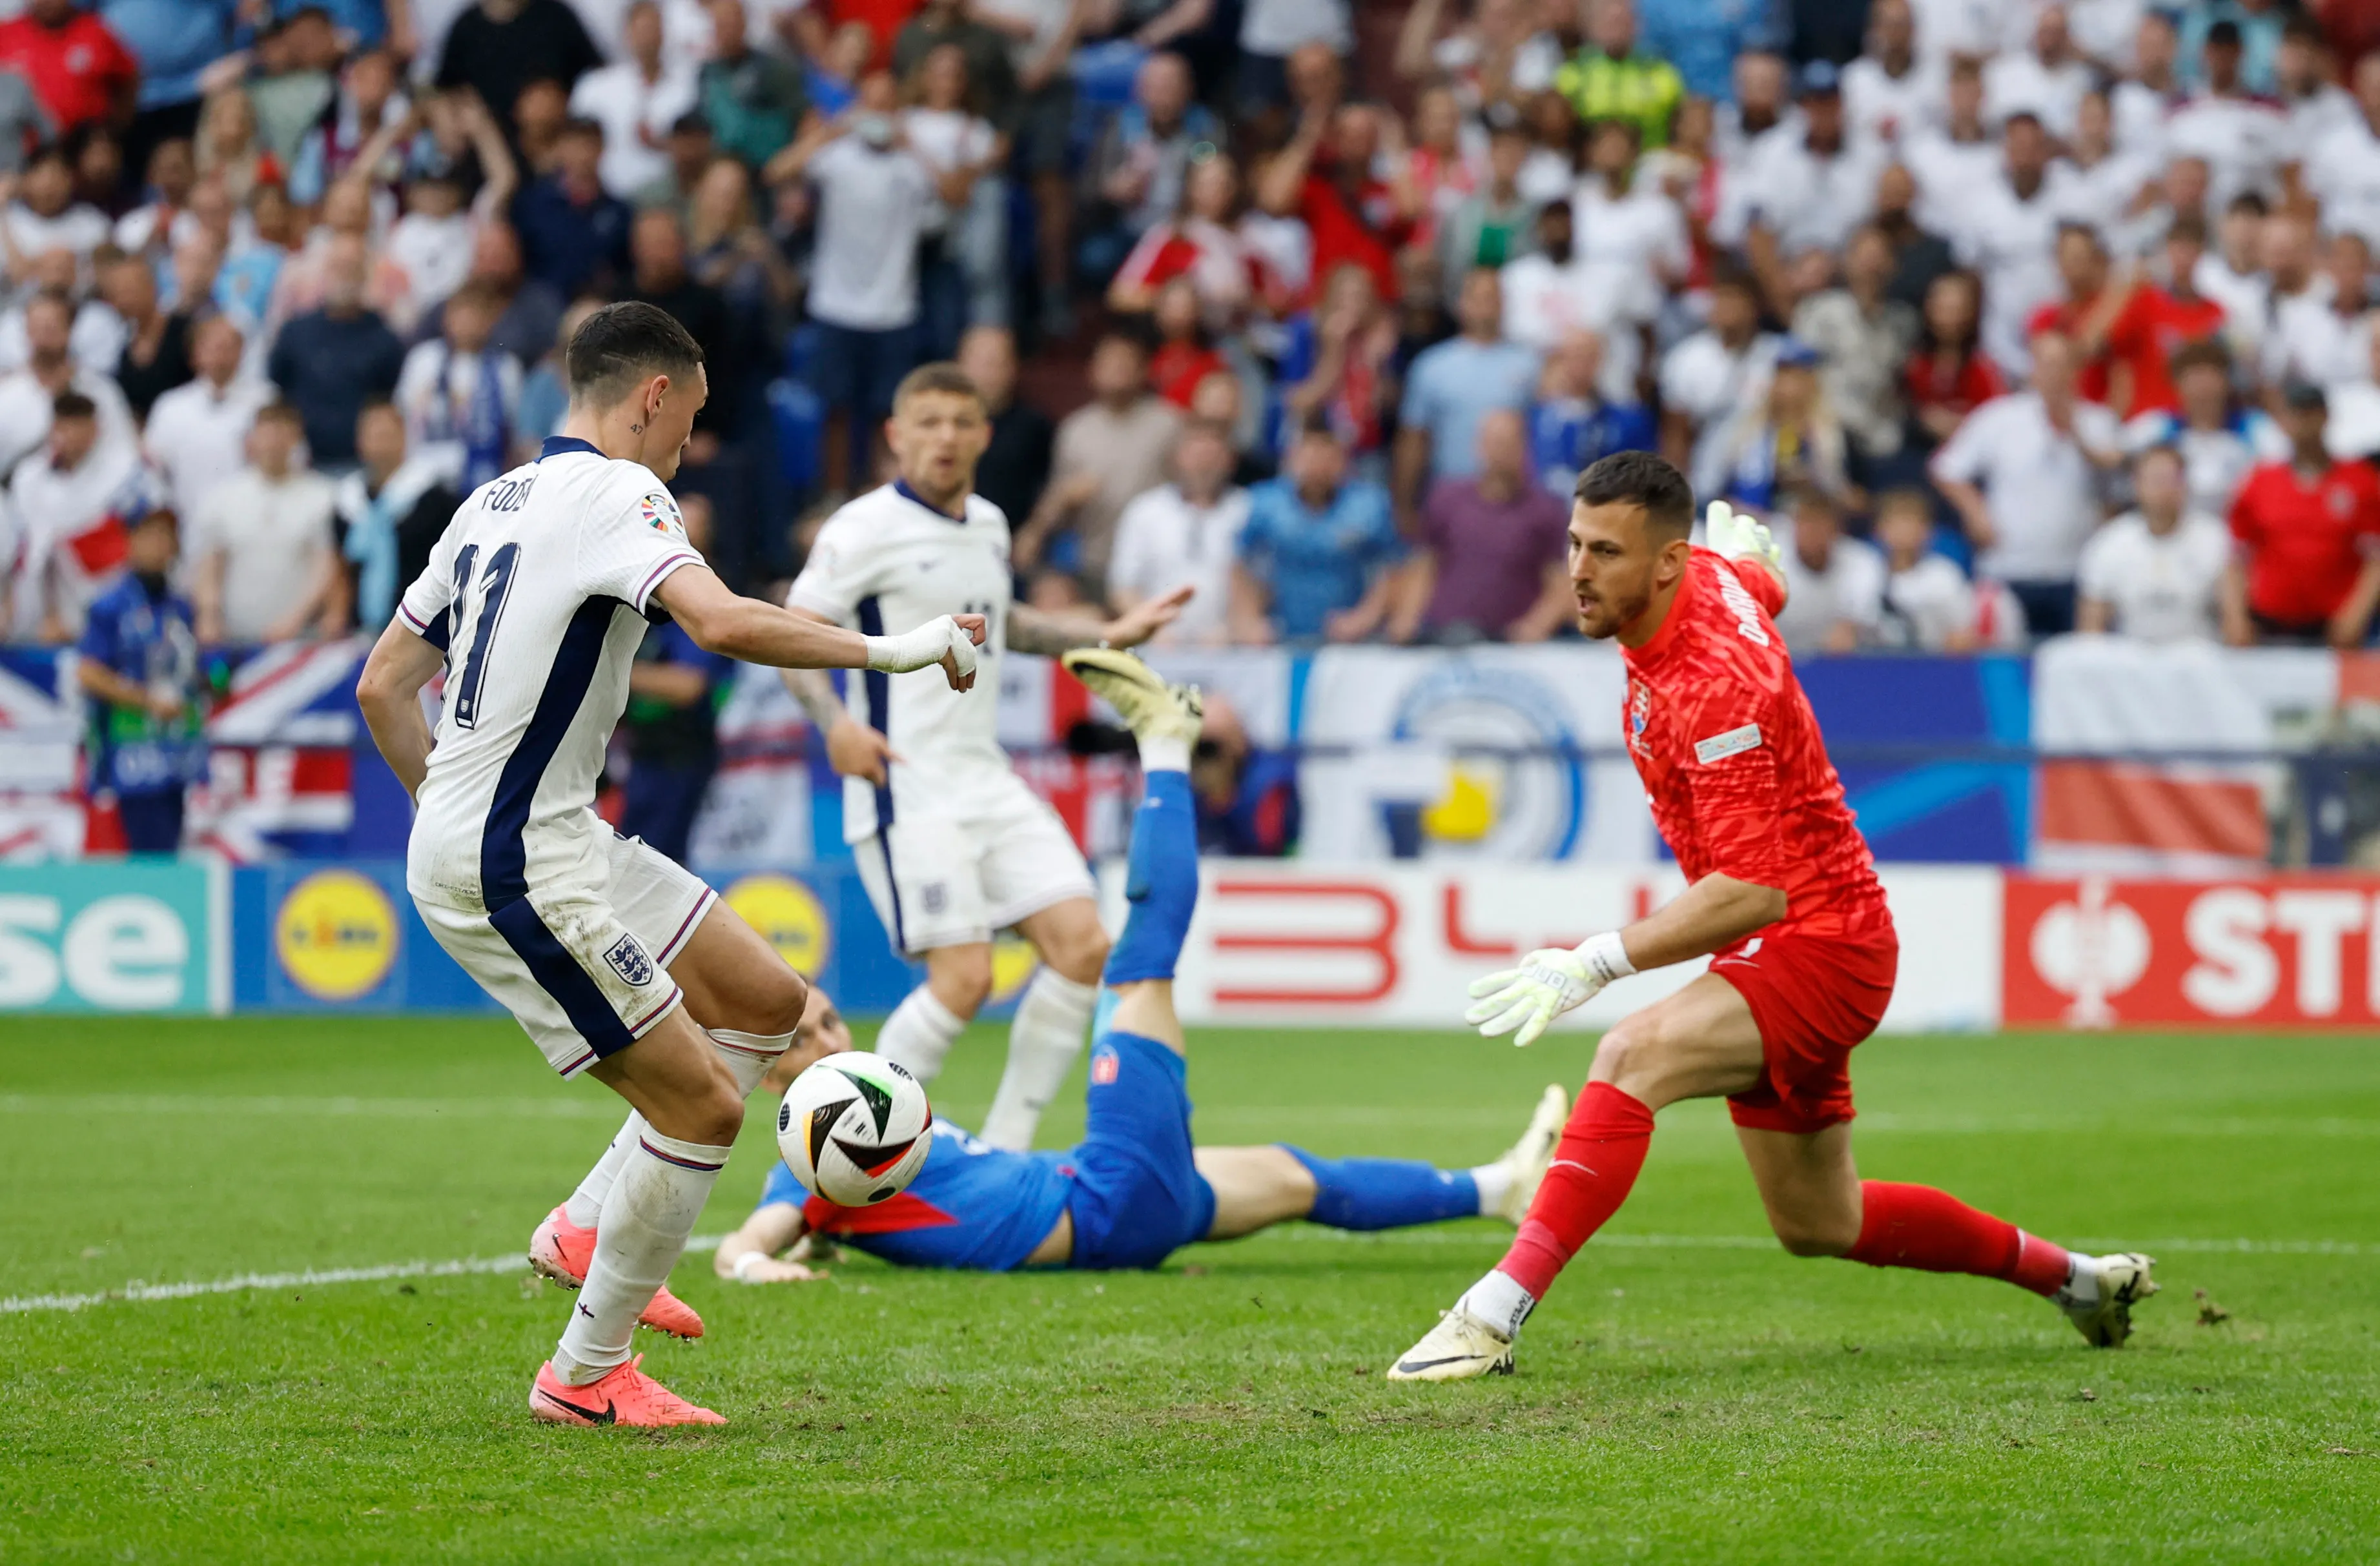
<point x="2095" y="952"/>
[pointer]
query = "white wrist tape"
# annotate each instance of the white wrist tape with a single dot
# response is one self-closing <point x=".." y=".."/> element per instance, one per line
<point x="1606" y="957"/>
<point x="920" y="648"/>
<point x="746" y="1263"/>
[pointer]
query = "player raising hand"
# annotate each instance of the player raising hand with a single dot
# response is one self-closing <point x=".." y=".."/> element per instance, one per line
<point x="1782" y="890"/>
<point x="534" y="603"/>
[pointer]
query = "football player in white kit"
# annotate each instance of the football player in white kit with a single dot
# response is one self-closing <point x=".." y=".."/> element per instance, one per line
<point x="950" y="844"/>
<point x="616" y="963"/>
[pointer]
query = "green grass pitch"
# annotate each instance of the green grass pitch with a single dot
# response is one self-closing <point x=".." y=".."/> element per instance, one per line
<point x="1688" y="1393"/>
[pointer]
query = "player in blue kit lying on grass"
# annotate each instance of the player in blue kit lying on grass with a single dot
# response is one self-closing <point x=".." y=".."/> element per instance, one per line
<point x="1134" y="1190"/>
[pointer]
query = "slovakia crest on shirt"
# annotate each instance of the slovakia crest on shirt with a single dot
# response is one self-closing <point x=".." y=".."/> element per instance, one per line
<point x="1640" y="711"/>
<point x="661" y="513"/>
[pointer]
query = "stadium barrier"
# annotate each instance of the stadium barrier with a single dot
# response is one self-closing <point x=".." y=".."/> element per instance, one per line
<point x="1289" y="943"/>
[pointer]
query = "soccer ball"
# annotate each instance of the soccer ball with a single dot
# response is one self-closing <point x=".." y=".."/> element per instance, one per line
<point x="855" y="1128"/>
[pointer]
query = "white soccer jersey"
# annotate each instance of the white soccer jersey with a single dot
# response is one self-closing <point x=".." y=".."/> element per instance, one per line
<point x="885" y="564"/>
<point x="537" y="592"/>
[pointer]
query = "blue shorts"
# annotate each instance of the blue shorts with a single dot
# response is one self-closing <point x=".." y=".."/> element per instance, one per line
<point x="1137" y="1197"/>
<point x="858" y="370"/>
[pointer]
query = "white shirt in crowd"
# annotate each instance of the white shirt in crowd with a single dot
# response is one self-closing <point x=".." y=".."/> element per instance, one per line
<point x="630" y="110"/>
<point x="435" y="253"/>
<point x="1710" y="384"/>
<point x="2139" y="113"/>
<point x="1277" y="26"/>
<point x="1545" y="302"/>
<point x="25" y="411"/>
<point x="1927" y="604"/>
<point x="95" y="341"/>
<point x="2241" y="139"/>
<point x="1810" y="200"/>
<point x="2020" y="81"/>
<point x="944" y="140"/>
<point x="2101" y="194"/>
<point x="1850" y="588"/>
<point x="1959" y="27"/>
<point x="1884" y="110"/>
<point x="1164" y="540"/>
<point x="2038" y="486"/>
<point x="2343" y="171"/>
<point x="2313" y="340"/>
<point x="2162" y="588"/>
<point x="70" y="552"/>
<point x="197" y="435"/>
<point x="80" y="228"/>
<point x="434" y="390"/>
<point x="2013" y="243"/>
<point x="2214" y="462"/>
<point x="272" y="534"/>
<point x="872" y="207"/>
<point x="1948" y="173"/>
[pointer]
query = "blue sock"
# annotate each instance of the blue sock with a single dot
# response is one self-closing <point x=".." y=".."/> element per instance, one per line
<point x="1161" y="881"/>
<point x="1366" y="1194"/>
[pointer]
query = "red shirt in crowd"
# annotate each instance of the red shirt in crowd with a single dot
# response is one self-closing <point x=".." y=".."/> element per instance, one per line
<point x="2152" y="328"/>
<point x="1732" y="761"/>
<point x="1975" y="382"/>
<point x="1361" y="234"/>
<point x="2305" y="543"/>
<point x="1176" y="369"/>
<point x="2066" y="316"/>
<point x="76" y="70"/>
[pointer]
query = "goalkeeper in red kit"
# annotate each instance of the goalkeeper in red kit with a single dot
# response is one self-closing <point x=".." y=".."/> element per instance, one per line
<point x="1781" y="895"/>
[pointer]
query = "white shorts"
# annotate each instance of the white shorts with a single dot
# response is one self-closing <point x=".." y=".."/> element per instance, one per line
<point x="585" y="970"/>
<point x="944" y="880"/>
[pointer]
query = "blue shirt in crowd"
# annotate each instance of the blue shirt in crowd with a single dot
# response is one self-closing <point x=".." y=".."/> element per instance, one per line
<point x="1568" y="435"/>
<point x="174" y="40"/>
<point x="1455" y="384"/>
<point x="565" y="244"/>
<point x="1317" y="563"/>
<point x="147" y="635"/>
<point x="1702" y="37"/>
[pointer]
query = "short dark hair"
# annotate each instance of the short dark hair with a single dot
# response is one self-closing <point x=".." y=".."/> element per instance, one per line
<point x="282" y="411"/>
<point x="941" y="376"/>
<point x="621" y="345"/>
<point x="1641" y="479"/>
<point x="73" y="405"/>
<point x="2206" y="351"/>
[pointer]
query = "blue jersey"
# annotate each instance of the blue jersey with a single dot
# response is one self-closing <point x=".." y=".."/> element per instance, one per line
<point x="1568" y="435"/>
<point x="973" y="1205"/>
<point x="146" y="637"/>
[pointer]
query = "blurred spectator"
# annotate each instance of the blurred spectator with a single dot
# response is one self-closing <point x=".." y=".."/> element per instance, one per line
<point x="303" y="279"/>
<point x="1489" y="562"/>
<point x="1612" y="78"/>
<point x="1500" y="52"/>
<point x="1340" y="363"/>
<point x="1016" y="466"/>
<point x="139" y="667"/>
<point x="1272" y="32"/>
<point x="2157" y="322"/>
<point x="1452" y="386"/>
<point x="1548" y="294"/>
<point x="2121" y="195"/>
<point x="1184" y="355"/>
<point x="1247" y="797"/>
<point x="832" y="78"/>
<point x="574" y="234"/>
<point x="154" y="355"/>
<point x="1800" y="189"/>
<point x="532" y="307"/>
<point x="434" y="243"/>
<point x="78" y="68"/>
<point x="2342" y="167"/>
<point x="1919" y="257"/>
<point x="2252" y="33"/>
<point x="267" y="569"/>
<point x="292" y="79"/>
<point x="1708" y="379"/>
<point x="2021" y="473"/>
<point x="2309" y="535"/>
<point x="197" y="431"/>
<point x="1704" y="37"/>
<point x="44" y="217"/>
<point x="1318" y="556"/>
<point x="28" y="395"/>
<point x="1786" y="442"/>
<point x="361" y="130"/>
<point x="71" y="497"/>
<point x="540" y="115"/>
<point x="754" y="100"/>
<point x="689" y="151"/>
<point x="1185" y="531"/>
<point x="25" y="122"/>
<point x="953" y="21"/>
<point x="1571" y="426"/>
<point x="1955" y="153"/>
<point x="499" y="46"/>
<point x="2219" y="440"/>
<point x="873" y="194"/>
<point x="675" y="689"/>
<point x="2151" y="87"/>
<point x="250" y="272"/>
<point x="391" y="510"/>
<point x="545" y="390"/>
<point x="1495" y="223"/>
<point x="1890" y="97"/>
<point x="1143" y="161"/>
<point x="330" y="360"/>
<point x="2161" y="571"/>
<point x="635" y="101"/>
<point x="1834" y="585"/>
<point x="1108" y="451"/>
<point x="2088" y="307"/>
<point x="2007" y="230"/>
<point x="1928" y="604"/>
<point x="727" y="250"/>
<point x="1949" y="375"/>
<point x="1762" y="81"/>
<point x="965" y="277"/>
<point x="1200" y="242"/>
<point x="97" y="336"/>
<point x="2320" y="335"/>
<point x="2045" y="79"/>
<point x="461" y="398"/>
<point x="173" y="42"/>
<point x="1324" y="178"/>
<point x="2240" y="133"/>
<point x="1435" y="173"/>
<point x="1042" y="34"/>
<point x="1862" y="337"/>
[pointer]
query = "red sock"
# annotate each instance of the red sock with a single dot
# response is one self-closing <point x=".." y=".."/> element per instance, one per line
<point x="1932" y="1231"/>
<point x="1602" y="1148"/>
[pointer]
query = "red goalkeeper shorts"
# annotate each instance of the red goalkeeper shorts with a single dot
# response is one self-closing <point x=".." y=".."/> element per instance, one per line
<point x="1814" y="998"/>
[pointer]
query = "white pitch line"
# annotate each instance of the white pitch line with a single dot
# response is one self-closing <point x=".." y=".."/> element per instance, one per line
<point x="115" y="1104"/>
<point x="247" y="1282"/>
<point x="142" y="1293"/>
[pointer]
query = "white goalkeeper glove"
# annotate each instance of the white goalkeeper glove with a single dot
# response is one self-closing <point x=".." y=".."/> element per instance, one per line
<point x="1549" y="982"/>
<point x="1739" y="535"/>
<point x="923" y="647"/>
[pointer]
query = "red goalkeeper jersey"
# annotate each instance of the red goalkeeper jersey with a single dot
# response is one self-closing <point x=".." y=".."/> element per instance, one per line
<point x="1733" y="759"/>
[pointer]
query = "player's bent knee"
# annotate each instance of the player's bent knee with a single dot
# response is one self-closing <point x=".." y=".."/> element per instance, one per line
<point x="1083" y="958"/>
<point x="960" y="978"/>
<point x="778" y="1000"/>
<point x="1630" y="1054"/>
<point x="1814" y="1236"/>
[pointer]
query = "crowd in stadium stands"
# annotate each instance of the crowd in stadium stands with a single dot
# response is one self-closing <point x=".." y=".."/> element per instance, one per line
<point x="2016" y="316"/>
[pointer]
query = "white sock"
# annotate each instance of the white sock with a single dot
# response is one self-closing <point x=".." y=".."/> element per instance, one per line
<point x="650" y="1211"/>
<point x="1494" y="1182"/>
<point x="585" y="1206"/>
<point x="1500" y="1302"/>
<point x="919" y="1034"/>
<point x="2082" y="1289"/>
<point x="1042" y="1043"/>
<point x="1164" y="753"/>
<point x="748" y="1056"/>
